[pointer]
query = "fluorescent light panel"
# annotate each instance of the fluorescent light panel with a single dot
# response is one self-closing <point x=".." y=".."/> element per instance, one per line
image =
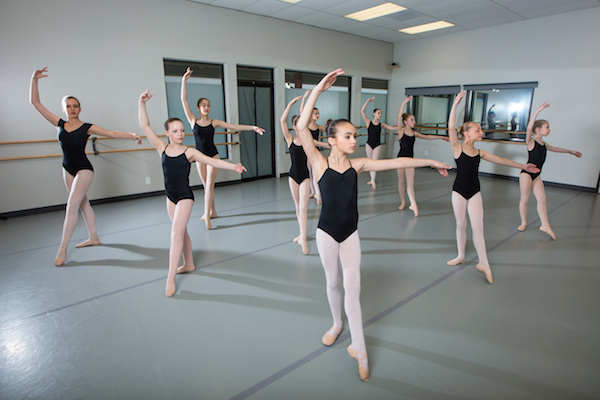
<point x="291" y="1"/>
<point x="375" y="12"/>
<point x="427" y="27"/>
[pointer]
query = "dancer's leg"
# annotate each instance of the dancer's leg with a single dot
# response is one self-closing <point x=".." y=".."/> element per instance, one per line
<point x="209" y="195"/>
<point x="374" y="155"/>
<point x="475" y="209"/>
<point x="459" y="205"/>
<point x="315" y="185"/>
<point x="410" y="189"/>
<point x="525" y="187"/>
<point x="540" y="196"/>
<point x="329" y="253"/>
<point x="78" y="187"/>
<point x="310" y="179"/>
<point x="300" y="196"/>
<point x="180" y="241"/>
<point x="401" y="179"/>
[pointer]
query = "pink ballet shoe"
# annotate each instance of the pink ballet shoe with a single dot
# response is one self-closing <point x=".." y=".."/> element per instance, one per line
<point x="331" y="336"/>
<point x="363" y="371"/>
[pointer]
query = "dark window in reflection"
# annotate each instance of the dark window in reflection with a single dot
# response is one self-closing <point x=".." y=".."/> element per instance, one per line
<point x="431" y="107"/>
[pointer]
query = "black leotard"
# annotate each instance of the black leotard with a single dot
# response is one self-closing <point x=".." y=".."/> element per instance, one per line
<point x="374" y="132"/>
<point x="73" y="147"/>
<point x="339" y="213"/>
<point x="177" y="172"/>
<point x="537" y="156"/>
<point x="407" y="146"/>
<point x="315" y="133"/>
<point x="205" y="139"/>
<point x="467" y="179"/>
<point x="299" y="168"/>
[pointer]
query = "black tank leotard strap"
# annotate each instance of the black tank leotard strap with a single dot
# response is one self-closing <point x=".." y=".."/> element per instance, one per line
<point x="339" y="213"/>
<point x="299" y="167"/>
<point x="407" y="146"/>
<point x="205" y="139"/>
<point x="177" y="173"/>
<point x="536" y="156"/>
<point x="467" y="179"/>
<point x="374" y="135"/>
<point x="73" y="147"/>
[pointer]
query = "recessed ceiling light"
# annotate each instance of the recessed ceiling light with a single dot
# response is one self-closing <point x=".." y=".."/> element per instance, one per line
<point x="427" y="27"/>
<point x="375" y="12"/>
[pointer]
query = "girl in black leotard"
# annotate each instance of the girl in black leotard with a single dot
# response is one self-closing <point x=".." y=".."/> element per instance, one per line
<point x="299" y="177"/>
<point x="176" y="159"/>
<point x="466" y="196"/>
<point x="337" y="235"/>
<point x="204" y="129"/>
<point x="536" y="148"/>
<point x="373" y="146"/>
<point x="77" y="169"/>
<point x="406" y="138"/>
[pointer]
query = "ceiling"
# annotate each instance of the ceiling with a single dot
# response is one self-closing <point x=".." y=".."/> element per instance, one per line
<point x="465" y="14"/>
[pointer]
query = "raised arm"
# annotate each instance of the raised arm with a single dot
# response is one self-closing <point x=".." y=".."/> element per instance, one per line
<point x="363" y="109"/>
<point x="191" y="117"/>
<point x="157" y="142"/>
<point x="531" y="123"/>
<point x="452" y="134"/>
<point x="507" y="162"/>
<point x="283" y="121"/>
<point x="401" y="110"/>
<point x="34" y="96"/>
<point x="315" y="157"/>
<point x="304" y="100"/>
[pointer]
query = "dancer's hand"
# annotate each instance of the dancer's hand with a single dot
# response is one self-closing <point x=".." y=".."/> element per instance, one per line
<point x="329" y="79"/>
<point x="531" y="168"/>
<point x="187" y="74"/>
<point x="239" y="168"/>
<point x="144" y="97"/>
<point x="258" y="130"/>
<point x="40" y="73"/>
<point x="441" y="167"/>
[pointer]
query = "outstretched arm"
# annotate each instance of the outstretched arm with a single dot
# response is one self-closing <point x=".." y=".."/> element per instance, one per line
<point x="561" y="150"/>
<point x="507" y="162"/>
<point x="363" y="113"/>
<point x="452" y="134"/>
<point x="237" y="127"/>
<point x="34" y="96"/>
<point x="158" y="143"/>
<point x="96" y="130"/>
<point x="389" y="127"/>
<point x="191" y="117"/>
<point x="530" y="132"/>
<point x="431" y="137"/>
<point x="283" y="121"/>
<point x="196" y="155"/>
<point x="316" y="159"/>
<point x="368" y="164"/>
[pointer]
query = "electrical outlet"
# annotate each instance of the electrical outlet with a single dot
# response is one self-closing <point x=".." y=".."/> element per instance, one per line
<point x="148" y="180"/>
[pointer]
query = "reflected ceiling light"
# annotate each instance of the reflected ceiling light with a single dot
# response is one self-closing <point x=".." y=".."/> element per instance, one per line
<point x="427" y="27"/>
<point x="375" y="12"/>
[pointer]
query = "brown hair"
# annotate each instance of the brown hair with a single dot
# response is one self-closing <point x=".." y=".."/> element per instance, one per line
<point x="63" y="102"/>
<point x="539" y="123"/>
<point x="200" y="100"/>
<point x="295" y="119"/>
<point x="466" y="126"/>
<point x="332" y="127"/>
<point x="167" y="122"/>
<point x="406" y="116"/>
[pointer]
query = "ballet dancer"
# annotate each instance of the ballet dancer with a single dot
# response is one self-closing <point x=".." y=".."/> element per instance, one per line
<point x="337" y="235"/>
<point x="204" y="133"/>
<point x="466" y="197"/>
<point x="77" y="170"/>
<point x="537" y="130"/>
<point x="299" y="179"/>
<point x="373" y="146"/>
<point x="176" y="159"/>
<point x="406" y="138"/>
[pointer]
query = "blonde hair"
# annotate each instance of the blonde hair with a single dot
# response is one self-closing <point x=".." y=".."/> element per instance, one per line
<point x="539" y="123"/>
<point x="466" y="126"/>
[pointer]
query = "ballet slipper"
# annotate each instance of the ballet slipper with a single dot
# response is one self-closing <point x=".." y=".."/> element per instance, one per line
<point x="522" y="227"/>
<point x="331" y="336"/>
<point x="363" y="370"/>
<point x="61" y="257"/>
<point x="186" y="268"/>
<point x="89" y="242"/>
<point x="487" y="271"/>
<point x="414" y="209"/>
<point x="456" y="261"/>
<point x="170" y="288"/>
<point x="548" y="231"/>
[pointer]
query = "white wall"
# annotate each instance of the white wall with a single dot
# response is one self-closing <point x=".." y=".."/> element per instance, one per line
<point x="107" y="52"/>
<point x="560" y="52"/>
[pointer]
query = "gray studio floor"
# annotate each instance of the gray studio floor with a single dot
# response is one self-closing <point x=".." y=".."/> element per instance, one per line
<point x="248" y="322"/>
